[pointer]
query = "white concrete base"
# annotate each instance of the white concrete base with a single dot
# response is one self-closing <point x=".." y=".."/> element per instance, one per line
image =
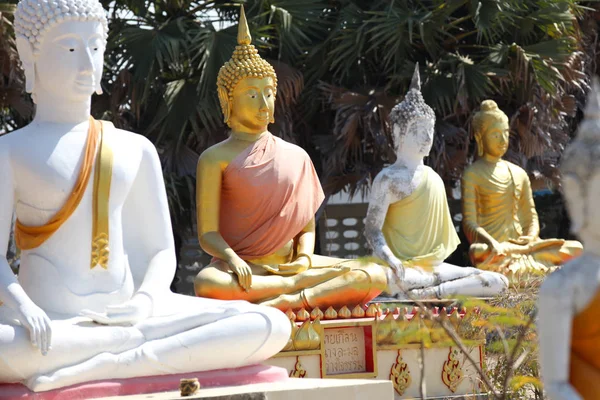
<point x="292" y="389"/>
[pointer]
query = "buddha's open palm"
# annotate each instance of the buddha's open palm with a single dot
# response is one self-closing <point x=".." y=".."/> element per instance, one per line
<point x="137" y="309"/>
<point x="35" y="320"/>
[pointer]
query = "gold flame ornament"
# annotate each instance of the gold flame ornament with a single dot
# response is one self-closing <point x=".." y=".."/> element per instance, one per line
<point x="452" y="373"/>
<point x="400" y="375"/>
<point x="298" y="371"/>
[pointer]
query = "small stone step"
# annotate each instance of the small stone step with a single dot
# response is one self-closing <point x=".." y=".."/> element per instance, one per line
<point x="292" y="389"/>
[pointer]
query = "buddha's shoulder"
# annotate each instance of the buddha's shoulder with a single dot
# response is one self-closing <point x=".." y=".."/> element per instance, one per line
<point x="393" y="176"/>
<point x="515" y="169"/>
<point x="128" y="140"/>
<point x="11" y="139"/>
<point x="473" y="170"/>
<point x="217" y="153"/>
<point x="290" y="148"/>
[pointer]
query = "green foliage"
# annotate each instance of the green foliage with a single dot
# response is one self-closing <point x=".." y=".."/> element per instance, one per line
<point x="342" y="65"/>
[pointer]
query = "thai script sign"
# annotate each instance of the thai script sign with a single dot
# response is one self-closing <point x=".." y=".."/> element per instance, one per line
<point x="344" y="350"/>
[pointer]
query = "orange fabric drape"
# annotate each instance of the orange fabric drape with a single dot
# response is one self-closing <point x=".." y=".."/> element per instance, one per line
<point x="31" y="237"/>
<point x="585" y="351"/>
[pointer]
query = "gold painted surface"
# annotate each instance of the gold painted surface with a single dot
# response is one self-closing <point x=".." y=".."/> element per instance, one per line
<point x="358" y="312"/>
<point x="291" y="277"/>
<point x="316" y="313"/>
<point x="499" y="215"/>
<point x="452" y="373"/>
<point x="330" y="313"/>
<point x="100" y="210"/>
<point x="302" y="315"/>
<point x="305" y="337"/>
<point x="298" y="371"/>
<point x="344" y="312"/>
<point x="400" y="375"/>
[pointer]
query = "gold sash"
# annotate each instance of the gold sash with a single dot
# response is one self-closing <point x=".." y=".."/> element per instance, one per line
<point x="31" y="237"/>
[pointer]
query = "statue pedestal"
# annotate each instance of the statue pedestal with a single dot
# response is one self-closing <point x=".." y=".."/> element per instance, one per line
<point x="313" y="389"/>
<point x="388" y="347"/>
<point x="252" y="374"/>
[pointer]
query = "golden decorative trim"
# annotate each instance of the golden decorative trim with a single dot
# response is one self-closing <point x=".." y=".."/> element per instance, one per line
<point x="306" y="337"/>
<point x="358" y="312"/>
<point x="302" y="315"/>
<point x="100" y="252"/>
<point x="344" y="313"/>
<point x="316" y="313"/>
<point x="452" y="373"/>
<point x="373" y="311"/>
<point x="298" y="371"/>
<point x="291" y="315"/>
<point x="400" y="375"/>
<point x="330" y="313"/>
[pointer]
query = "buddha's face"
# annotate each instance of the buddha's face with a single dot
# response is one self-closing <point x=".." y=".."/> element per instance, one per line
<point x="414" y="139"/>
<point x="495" y="139"/>
<point x="253" y="105"/>
<point x="69" y="64"/>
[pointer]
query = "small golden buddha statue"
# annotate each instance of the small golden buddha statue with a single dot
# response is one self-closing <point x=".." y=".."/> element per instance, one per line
<point x="499" y="216"/>
<point x="256" y="199"/>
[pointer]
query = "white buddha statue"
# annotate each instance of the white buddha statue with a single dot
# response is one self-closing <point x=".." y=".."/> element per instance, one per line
<point x="408" y="224"/>
<point x="569" y="299"/>
<point x="85" y="310"/>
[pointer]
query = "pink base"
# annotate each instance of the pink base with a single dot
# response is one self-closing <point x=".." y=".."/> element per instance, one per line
<point x="151" y="384"/>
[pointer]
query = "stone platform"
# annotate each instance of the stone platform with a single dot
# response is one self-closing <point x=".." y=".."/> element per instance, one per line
<point x="254" y="374"/>
<point x="293" y="389"/>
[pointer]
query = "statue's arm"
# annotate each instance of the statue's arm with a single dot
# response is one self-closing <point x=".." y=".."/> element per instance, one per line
<point x="376" y="213"/>
<point x="208" y="206"/>
<point x="527" y="212"/>
<point x="147" y="226"/>
<point x="12" y="295"/>
<point x="305" y="240"/>
<point x="555" y="314"/>
<point x="473" y="232"/>
<point x="209" y="176"/>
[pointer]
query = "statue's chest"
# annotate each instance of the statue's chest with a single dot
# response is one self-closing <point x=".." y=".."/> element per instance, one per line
<point x="46" y="171"/>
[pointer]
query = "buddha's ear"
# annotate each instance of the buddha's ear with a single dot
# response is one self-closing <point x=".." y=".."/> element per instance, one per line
<point x="225" y="103"/>
<point x="27" y="61"/>
<point x="479" y="142"/>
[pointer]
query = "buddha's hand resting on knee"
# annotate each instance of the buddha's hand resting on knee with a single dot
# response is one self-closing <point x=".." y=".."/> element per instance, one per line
<point x="522" y="240"/>
<point x="496" y="249"/>
<point x="300" y="264"/>
<point x="243" y="272"/>
<point x="135" y="310"/>
<point x="35" y="320"/>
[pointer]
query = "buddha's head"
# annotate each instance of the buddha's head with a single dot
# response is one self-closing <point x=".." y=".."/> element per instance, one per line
<point x="247" y="86"/>
<point x="413" y="122"/>
<point x="491" y="129"/>
<point x="580" y="170"/>
<point x="61" y="46"/>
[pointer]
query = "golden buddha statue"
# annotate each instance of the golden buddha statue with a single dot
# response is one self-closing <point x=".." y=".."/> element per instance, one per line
<point x="256" y="199"/>
<point x="499" y="216"/>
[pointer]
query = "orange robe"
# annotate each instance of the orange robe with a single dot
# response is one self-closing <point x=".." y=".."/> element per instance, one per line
<point x="31" y="237"/>
<point x="584" y="373"/>
<point x="269" y="193"/>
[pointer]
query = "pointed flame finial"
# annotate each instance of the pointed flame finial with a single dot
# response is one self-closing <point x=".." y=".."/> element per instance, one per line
<point x="415" y="83"/>
<point x="243" y="36"/>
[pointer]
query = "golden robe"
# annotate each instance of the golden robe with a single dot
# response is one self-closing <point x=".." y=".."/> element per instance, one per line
<point x="418" y="228"/>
